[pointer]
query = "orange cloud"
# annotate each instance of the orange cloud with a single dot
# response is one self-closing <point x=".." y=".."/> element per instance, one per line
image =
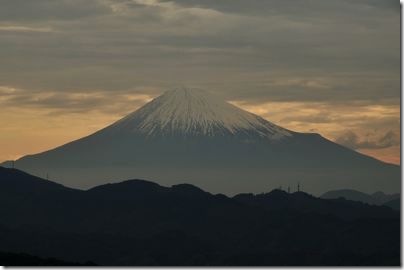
<point x="377" y="127"/>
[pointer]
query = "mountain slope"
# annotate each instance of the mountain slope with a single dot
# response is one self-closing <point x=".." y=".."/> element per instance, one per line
<point x="21" y="259"/>
<point x="137" y="223"/>
<point x="192" y="136"/>
<point x="377" y="198"/>
<point x="191" y="112"/>
<point x="394" y="204"/>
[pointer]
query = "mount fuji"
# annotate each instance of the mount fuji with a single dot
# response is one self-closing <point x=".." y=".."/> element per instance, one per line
<point x="191" y="136"/>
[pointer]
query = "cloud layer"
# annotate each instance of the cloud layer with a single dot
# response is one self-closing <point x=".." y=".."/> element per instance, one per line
<point x="352" y="140"/>
<point x="78" y="56"/>
<point x="319" y="49"/>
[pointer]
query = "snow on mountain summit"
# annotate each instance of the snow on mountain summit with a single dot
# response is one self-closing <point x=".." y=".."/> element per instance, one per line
<point x="196" y="112"/>
<point x="193" y="136"/>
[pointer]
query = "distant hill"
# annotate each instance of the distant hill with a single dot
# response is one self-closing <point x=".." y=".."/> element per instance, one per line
<point x="377" y="198"/>
<point x="141" y="223"/>
<point x="395" y="204"/>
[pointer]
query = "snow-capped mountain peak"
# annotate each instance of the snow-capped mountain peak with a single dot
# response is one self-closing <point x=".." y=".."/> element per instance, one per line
<point x="192" y="136"/>
<point x="196" y="112"/>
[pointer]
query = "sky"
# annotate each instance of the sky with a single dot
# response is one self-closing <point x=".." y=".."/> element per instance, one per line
<point x="71" y="67"/>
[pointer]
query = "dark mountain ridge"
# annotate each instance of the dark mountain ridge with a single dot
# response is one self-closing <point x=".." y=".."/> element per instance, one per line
<point x="377" y="198"/>
<point x="137" y="222"/>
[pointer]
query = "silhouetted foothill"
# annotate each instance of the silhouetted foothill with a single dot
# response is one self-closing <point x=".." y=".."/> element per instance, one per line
<point x="377" y="198"/>
<point x="137" y="222"/>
